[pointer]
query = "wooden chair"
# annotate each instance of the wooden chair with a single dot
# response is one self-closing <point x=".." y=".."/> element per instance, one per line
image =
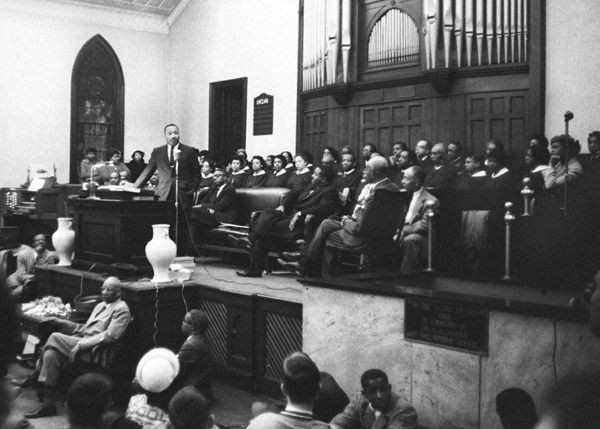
<point x="379" y="227"/>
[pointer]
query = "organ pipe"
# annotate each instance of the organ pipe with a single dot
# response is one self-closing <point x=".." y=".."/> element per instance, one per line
<point x="346" y="37"/>
<point x="469" y="26"/>
<point x="479" y="28"/>
<point x="458" y="27"/>
<point x="489" y="27"/>
<point x="448" y="25"/>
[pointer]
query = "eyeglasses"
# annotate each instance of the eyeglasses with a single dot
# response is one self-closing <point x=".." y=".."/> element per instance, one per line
<point x="187" y="321"/>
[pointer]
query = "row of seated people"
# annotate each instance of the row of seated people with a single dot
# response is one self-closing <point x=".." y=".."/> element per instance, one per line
<point x="90" y="170"/>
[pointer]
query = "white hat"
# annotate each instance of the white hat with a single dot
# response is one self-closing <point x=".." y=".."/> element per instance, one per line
<point x="157" y="369"/>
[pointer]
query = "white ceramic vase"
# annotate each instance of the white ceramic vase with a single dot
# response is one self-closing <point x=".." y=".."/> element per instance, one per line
<point x="161" y="251"/>
<point x="63" y="241"/>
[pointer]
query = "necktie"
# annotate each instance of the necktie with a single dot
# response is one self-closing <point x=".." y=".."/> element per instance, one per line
<point x="171" y="154"/>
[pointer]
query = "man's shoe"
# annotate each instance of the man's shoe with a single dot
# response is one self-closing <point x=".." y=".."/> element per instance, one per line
<point x="293" y="267"/>
<point x="249" y="273"/>
<point x="43" y="411"/>
<point x="291" y="256"/>
<point x="240" y="242"/>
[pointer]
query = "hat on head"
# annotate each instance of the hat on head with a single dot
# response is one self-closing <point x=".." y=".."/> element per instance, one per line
<point x="157" y="369"/>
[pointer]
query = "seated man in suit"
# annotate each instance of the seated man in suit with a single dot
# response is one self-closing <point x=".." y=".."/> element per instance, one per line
<point x="348" y="231"/>
<point x="442" y="175"/>
<point x="347" y="182"/>
<point x="218" y="206"/>
<point x="106" y="325"/>
<point x="413" y="235"/>
<point x="319" y="200"/>
<point x="376" y="402"/>
<point x="194" y="355"/>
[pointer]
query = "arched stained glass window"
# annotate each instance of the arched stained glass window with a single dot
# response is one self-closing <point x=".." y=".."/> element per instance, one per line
<point x="393" y="40"/>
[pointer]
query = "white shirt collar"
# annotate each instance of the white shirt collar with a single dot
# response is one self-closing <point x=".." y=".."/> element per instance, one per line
<point x="345" y="173"/>
<point x="235" y="173"/>
<point x="280" y="172"/>
<point x="479" y="173"/>
<point x="540" y="168"/>
<point x="258" y="173"/>
<point x="500" y="173"/>
<point x="304" y="170"/>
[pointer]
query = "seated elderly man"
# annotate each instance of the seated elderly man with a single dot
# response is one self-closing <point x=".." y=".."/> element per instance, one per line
<point x="195" y="355"/>
<point x="443" y="173"/>
<point x="413" y="235"/>
<point x="19" y="283"/>
<point x="347" y="231"/>
<point x="106" y="325"/>
<point x="320" y="200"/>
<point x="376" y="403"/>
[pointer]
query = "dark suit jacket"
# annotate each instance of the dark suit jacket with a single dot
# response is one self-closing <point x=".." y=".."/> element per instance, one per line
<point x="355" y="231"/>
<point x="225" y="205"/>
<point x="195" y="365"/>
<point x="418" y="224"/>
<point x="441" y="178"/>
<point x="189" y="171"/>
<point x="321" y="201"/>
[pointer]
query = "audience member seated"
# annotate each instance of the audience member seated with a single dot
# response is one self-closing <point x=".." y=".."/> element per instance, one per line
<point x="455" y="156"/>
<point x="243" y="154"/>
<point x="572" y="403"/>
<point x="85" y="169"/>
<point x="542" y="141"/>
<point x="442" y="175"/>
<point x="278" y="178"/>
<point x="474" y="176"/>
<point x="367" y="151"/>
<point x="499" y="175"/>
<point x="347" y="181"/>
<point x="206" y="178"/>
<point x="300" y="386"/>
<point x="238" y="175"/>
<point x="423" y="151"/>
<point x="257" y="177"/>
<point x="412" y="237"/>
<point x="218" y="206"/>
<point x="396" y="150"/>
<point x="534" y="168"/>
<point x="348" y="231"/>
<point x="288" y="220"/>
<point x="300" y="179"/>
<point x="195" y="363"/>
<point x="106" y="326"/>
<point x="289" y="161"/>
<point x="331" y="157"/>
<point x="136" y="165"/>
<point x="115" y="165"/>
<point x="188" y="409"/>
<point x="269" y="163"/>
<point x="407" y="158"/>
<point x="87" y="401"/>
<point x="376" y="406"/>
<point x="516" y="409"/>
<point x="155" y="372"/>
<point x="21" y="284"/>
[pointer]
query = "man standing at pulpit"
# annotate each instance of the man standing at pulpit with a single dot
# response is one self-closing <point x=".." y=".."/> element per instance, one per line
<point x="171" y="161"/>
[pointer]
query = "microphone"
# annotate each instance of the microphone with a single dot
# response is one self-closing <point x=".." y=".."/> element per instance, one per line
<point x="569" y="115"/>
<point x="176" y="154"/>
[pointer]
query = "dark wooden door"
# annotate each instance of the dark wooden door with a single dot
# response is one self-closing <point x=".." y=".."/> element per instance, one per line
<point x="227" y="122"/>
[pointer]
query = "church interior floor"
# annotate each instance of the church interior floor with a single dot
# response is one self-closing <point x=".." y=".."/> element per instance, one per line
<point x="231" y="407"/>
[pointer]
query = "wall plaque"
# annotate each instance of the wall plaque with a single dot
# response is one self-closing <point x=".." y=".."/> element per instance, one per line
<point x="455" y="326"/>
<point x="263" y="115"/>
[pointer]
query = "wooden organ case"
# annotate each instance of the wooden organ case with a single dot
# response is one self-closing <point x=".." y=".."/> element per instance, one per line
<point x="387" y="71"/>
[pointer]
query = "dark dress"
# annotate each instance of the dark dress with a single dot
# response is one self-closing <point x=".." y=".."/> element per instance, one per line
<point x="136" y="169"/>
<point x="278" y="181"/>
<point x="299" y="181"/>
<point x="238" y="180"/>
<point x="256" y="181"/>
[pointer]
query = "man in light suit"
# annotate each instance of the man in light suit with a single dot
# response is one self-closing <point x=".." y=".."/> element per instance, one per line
<point x="168" y="160"/>
<point x="219" y="205"/>
<point x="348" y="231"/>
<point x="377" y="407"/>
<point x="413" y="235"/>
<point x="106" y="326"/>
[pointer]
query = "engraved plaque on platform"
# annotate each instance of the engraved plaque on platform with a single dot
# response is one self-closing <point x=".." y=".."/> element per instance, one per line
<point x="454" y="326"/>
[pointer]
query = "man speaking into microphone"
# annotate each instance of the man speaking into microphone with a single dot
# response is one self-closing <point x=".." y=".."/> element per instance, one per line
<point x="174" y="161"/>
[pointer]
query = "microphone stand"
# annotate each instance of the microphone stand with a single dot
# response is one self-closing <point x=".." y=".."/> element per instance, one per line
<point x="176" y="199"/>
<point x="568" y="117"/>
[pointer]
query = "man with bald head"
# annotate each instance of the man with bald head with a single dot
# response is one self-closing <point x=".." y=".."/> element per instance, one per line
<point x="443" y="173"/>
<point x="106" y="325"/>
<point x="347" y="231"/>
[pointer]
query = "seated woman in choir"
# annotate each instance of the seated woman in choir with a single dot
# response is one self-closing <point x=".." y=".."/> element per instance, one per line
<point x="300" y="178"/>
<point x="242" y="153"/>
<point x="499" y="176"/>
<point x="279" y="176"/>
<point x="535" y="162"/>
<point x="475" y="176"/>
<point x="257" y="177"/>
<point x="331" y="157"/>
<point x="115" y="165"/>
<point x="289" y="161"/>
<point x="206" y="178"/>
<point x="269" y="163"/>
<point x="238" y="175"/>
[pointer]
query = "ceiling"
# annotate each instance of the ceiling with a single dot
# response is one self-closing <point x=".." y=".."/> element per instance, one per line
<point x="162" y="8"/>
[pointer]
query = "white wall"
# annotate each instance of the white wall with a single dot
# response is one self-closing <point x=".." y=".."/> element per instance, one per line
<point x="37" y="54"/>
<point x="572" y="67"/>
<point x="228" y="39"/>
